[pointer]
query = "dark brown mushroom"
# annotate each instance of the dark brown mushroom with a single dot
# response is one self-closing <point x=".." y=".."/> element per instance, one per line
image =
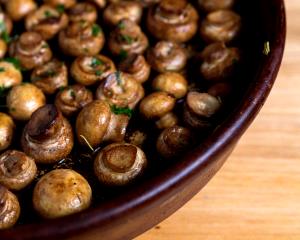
<point x="61" y="192"/>
<point x="18" y="9"/>
<point x="9" y="75"/>
<point x="7" y="128"/>
<point x="83" y="11"/>
<point x="168" y="120"/>
<point x="119" y="164"/>
<point x="48" y="136"/>
<point x="58" y="3"/>
<point x="149" y="3"/>
<point x="214" y="5"/>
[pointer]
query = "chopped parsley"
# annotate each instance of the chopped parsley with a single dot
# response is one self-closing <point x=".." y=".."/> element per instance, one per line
<point x="99" y="73"/>
<point x="13" y="61"/>
<point x="47" y="14"/>
<point x="72" y="93"/>
<point x="123" y="55"/>
<point x="96" y="30"/>
<point x="2" y="69"/>
<point x="96" y="62"/>
<point x="121" y="25"/>
<point x="60" y="8"/>
<point x="119" y="110"/>
<point x="128" y="39"/>
<point x="5" y="37"/>
<point x="118" y="77"/>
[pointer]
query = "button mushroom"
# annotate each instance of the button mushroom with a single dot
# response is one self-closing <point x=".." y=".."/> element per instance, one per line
<point x="88" y="70"/>
<point x="167" y="57"/>
<point x="7" y="128"/>
<point x="220" y="26"/>
<point x="121" y="90"/>
<point x="61" y="192"/>
<point x="18" y="9"/>
<point x="31" y="50"/>
<point x="83" y="11"/>
<point x="17" y="170"/>
<point x="173" y="20"/>
<point x="127" y="37"/>
<point x="81" y="38"/>
<point x="48" y="136"/>
<point x="9" y="75"/>
<point x="58" y="3"/>
<point x="9" y="208"/>
<point x="218" y="62"/>
<point x="137" y="67"/>
<point x="115" y="12"/>
<point x="97" y="123"/>
<point x="72" y="99"/>
<point x="3" y="48"/>
<point x="213" y="5"/>
<point x="168" y="120"/>
<point x="22" y="100"/>
<point x="119" y="164"/>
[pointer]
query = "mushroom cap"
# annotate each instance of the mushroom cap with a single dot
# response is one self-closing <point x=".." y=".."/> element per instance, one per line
<point x="213" y="5"/>
<point x="9" y="75"/>
<point x="65" y="3"/>
<point x="7" y="128"/>
<point x="83" y="11"/>
<point x="18" y="9"/>
<point x="3" y="48"/>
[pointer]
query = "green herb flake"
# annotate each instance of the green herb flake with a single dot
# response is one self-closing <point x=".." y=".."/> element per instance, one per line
<point x="2" y="26"/>
<point x="119" y="110"/>
<point x="121" y="25"/>
<point x="2" y="69"/>
<point x="14" y="61"/>
<point x="99" y="73"/>
<point x="47" y="14"/>
<point x="118" y="77"/>
<point x="72" y="93"/>
<point x="5" y="37"/>
<point x="12" y="109"/>
<point x="45" y="45"/>
<point x="96" y="30"/>
<point x="267" y="49"/>
<point x="62" y="88"/>
<point x="123" y="55"/>
<point x="60" y="8"/>
<point x="96" y="62"/>
<point x="128" y="39"/>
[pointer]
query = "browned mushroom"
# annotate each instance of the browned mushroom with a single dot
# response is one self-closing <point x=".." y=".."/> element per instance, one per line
<point x="7" y="128"/>
<point x="116" y="12"/>
<point x="61" y="192"/>
<point x="127" y="37"/>
<point x="213" y="5"/>
<point x="174" y="141"/>
<point x="18" y="9"/>
<point x="168" y="120"/>
<point x="9" y="208"/>
<point x="218" y="61"/>
<point x="97" y="123"/>
<point x="121" y="90"/>
<point x="173" y="20"/>
<point x="167" y="57"/>
<point x="47" y="21"/>
<point x="81" y="39"/>
<point x="220" y="26"/>
<point x="88" y="70"/>
<point x="3" y="48"/>
<point x="5" y="30"/>
<point x="72" y="99"/>
<point x="50" y="77"/>
<point x="119" y="164"/>
<point x="48" y="136"/>
<point x="9" y="75"/>
<point x="22" y="100"/>
<point x="83" y="11"/>
<point x="137" y="67"/>
<point x="31" y="50"/>
<point x="59" y="3"/>
<point x="17" y="170"/>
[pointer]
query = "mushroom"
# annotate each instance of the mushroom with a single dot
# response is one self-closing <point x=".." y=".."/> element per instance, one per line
<point x="173" y="20"/>
<point x="168" y="120"/>
<point x="48" y="136"/>
<point x="220" y="90"/>
<point x="136" y="66"/>
<point x="174" y="141"/>
<point x="9" y="75"/>
<point x="167" y="57"/>
<point x="22" y="100"/>
<point x="81" y="38"/>
<point x="50" y="77"/>
<point x="58" y="3"/>
<point x="18" y="9"/>
<point x="121" y="90"/>
<point x="5" y="30"/>
<point x="127" y="37"/>
<point x="17" y="170"/>
<point x="83" y="11"/>
<point x="88" y="70"/>
<point x="218" y="62"/>
<point x="173" y="83"/>
<point x="72" y="99"/>
<point x="116" y="12"/>
<point x="7" y="128"/>
<point x="61" y="192"/>
<point x="47" y="21"/>
<point x="119" y="164"/>
<point x="31" y="50"/>
<point x="214" y="5"/>
<point x="156" y="105"/>
<point x="220" y="26"/>
<point x="137" y="138"/>
<point x="9" y="208"/>
<point x="3" y="48"/>
<point x="99" y="3"/>
<point x="97" y="123"/>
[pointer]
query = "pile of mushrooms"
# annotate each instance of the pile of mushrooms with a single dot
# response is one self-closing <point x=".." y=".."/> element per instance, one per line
<point x="68" y="87"/>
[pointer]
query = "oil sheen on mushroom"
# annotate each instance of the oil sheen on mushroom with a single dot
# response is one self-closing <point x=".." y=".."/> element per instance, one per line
<point x="213" y="5"/>
<point x="9" y="75"/>
<point x="7" y="129"/>
<point x="83" y="11"/>
<point x="18" y="9"/>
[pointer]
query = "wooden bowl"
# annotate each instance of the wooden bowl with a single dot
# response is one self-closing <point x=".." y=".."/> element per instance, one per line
<point x="145" y="204"/>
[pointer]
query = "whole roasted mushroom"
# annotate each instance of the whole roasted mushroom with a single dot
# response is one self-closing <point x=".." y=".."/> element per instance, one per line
<point x="88" y="70"/>
<point x="31" y="50"/>
<point x="81" y="39"/>
<point x="61" y="192"/>
<point x="9" y="75"/>
<point x="7" y="128"/>
<point x="48" y="136"/>
<point x="167" y="57"/>
<point x="97" y="123"/>
<point x="83" y="11"/>
<point x="166" y="121"/>
<point x="127" y="37"/>
<point x="173" y="20"/>
<point x="72" y="99"/>
<point x="3" y="48"/>
<point x="47" y="21"/>
<point x="50" y="77"/>
<point x="116" y="12"/>
<point x="18" y="9"/>
<point x="120" y="90"/>
<point x="119" y="164"/>
<point x="220" y="26"/>
<point x="58" y="3"/>
<point x="22" y="100"/>
<point x="9" y="208"/>
<point x="17" y="170"/>
<point x="214" y="5"/>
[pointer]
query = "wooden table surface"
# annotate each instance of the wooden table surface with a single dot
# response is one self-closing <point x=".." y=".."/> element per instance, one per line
<point x="256" y="195"/>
